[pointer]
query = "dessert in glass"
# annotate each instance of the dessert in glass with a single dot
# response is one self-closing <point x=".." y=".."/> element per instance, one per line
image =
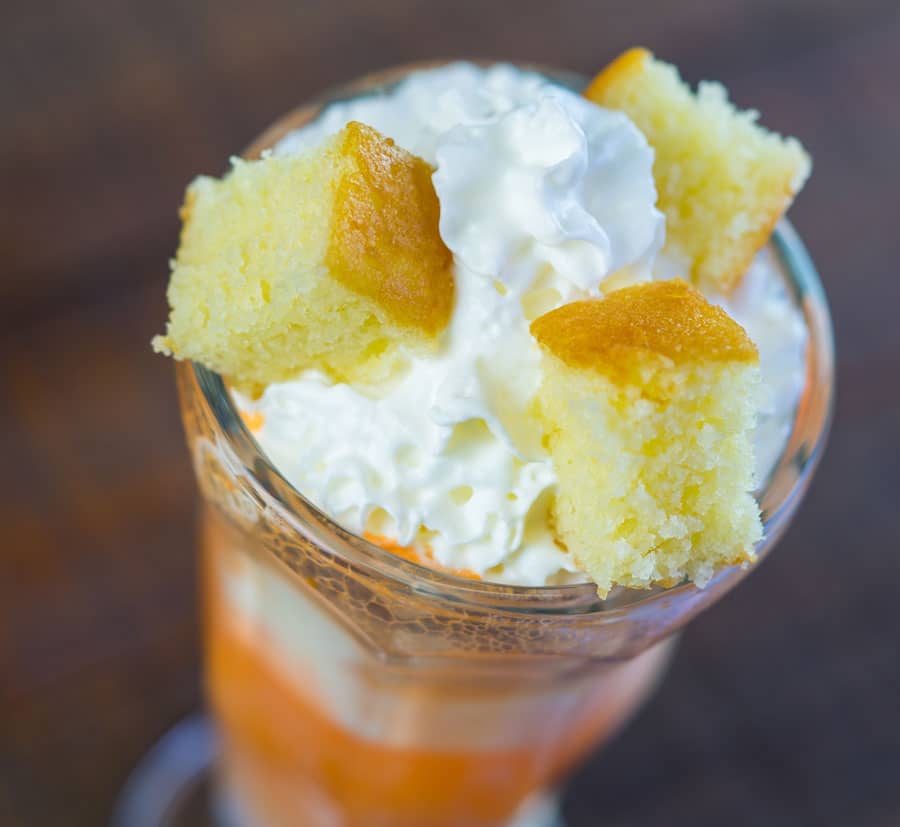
<point x="490" y="387"/>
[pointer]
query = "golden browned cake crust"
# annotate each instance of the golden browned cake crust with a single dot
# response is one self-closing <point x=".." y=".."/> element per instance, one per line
<point x="667" y="319"/>
<point x="625" y="65"/>
<point x="384" y="242"/>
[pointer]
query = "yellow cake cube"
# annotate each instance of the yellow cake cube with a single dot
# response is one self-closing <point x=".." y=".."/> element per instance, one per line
<point x="648" y="406"/>
<point x="327" y="260"/>
<point x="723" y="180"/>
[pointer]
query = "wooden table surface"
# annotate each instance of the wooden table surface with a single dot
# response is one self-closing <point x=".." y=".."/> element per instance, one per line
<point x="783" y="706"/>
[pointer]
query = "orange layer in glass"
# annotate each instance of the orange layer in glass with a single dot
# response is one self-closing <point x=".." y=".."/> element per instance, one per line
<point x="293" y="765"/>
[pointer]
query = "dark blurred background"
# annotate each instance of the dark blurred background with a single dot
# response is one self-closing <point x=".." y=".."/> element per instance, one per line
<point x="783" y="706"/>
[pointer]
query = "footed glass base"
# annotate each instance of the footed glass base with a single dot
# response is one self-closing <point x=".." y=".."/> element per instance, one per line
<point x="174" y="786"/>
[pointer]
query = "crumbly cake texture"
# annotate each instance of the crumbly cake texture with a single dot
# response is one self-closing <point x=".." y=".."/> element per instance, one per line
<point x="326" y="260"/>
<point x="723" y="180"/>
<point x="648" y="404"/>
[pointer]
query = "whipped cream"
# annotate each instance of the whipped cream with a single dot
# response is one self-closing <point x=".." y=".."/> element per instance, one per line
<point x="543" y="196"/>
<point x="557" y="181"/>
<point x="762" y="306"/>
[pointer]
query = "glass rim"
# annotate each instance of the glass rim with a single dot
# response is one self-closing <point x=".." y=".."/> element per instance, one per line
<point x="778" y="498"/>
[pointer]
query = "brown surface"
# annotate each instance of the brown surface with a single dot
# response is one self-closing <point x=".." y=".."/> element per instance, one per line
<point x="782" y="707"/>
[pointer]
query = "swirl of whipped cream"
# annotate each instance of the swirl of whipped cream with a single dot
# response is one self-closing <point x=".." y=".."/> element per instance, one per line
<point x="558" y="180"/>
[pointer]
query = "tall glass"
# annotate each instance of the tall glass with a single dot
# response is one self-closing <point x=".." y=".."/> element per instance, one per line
<point x="353" y="688"/>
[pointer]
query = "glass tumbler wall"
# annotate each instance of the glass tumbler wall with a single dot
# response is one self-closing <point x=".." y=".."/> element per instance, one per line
<point x="352" y="687"/>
